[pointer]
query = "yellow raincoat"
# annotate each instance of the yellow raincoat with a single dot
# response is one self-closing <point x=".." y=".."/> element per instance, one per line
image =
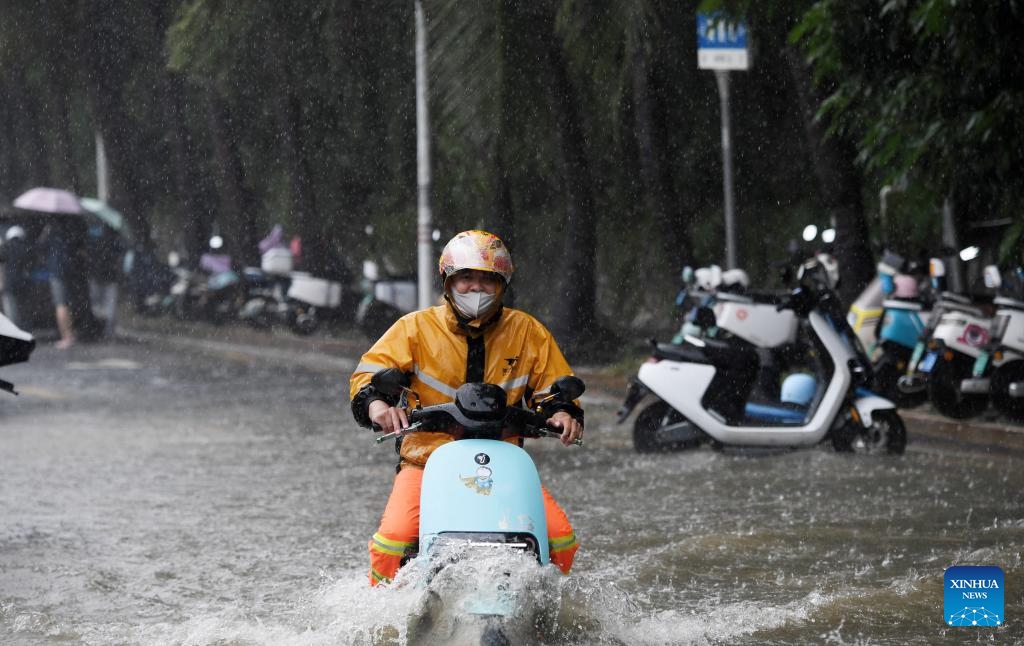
<point x="512" y="349"/>
<point x="518" y="354"/>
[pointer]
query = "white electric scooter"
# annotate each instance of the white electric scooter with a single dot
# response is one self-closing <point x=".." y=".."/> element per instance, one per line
<point x="703" y="387"/>
<point x="999" y="369"/>
<point x="955" y="336"/>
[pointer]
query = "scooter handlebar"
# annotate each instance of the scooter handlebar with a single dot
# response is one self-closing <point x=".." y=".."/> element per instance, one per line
<point x="446" y="418"/>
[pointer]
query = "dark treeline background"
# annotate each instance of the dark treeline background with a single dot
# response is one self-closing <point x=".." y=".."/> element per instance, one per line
<point x="580" y="130"/>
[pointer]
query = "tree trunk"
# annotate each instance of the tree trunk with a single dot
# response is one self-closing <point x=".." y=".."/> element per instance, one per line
<point x="189" y="184"/>
<point x="24" y="149"/>
<point x="107" y="82"/>
<point x="659" y="193"/>
<point x="316" y="249"/>
<point x="574" y="320"/>
<point x="60" y="87"/>
<point x="841" y="184"/>
<point x="237" y="205"/>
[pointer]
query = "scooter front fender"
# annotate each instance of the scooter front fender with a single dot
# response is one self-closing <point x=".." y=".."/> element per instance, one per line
<point x="482" y="487"/>
<point x="868" y="404"/>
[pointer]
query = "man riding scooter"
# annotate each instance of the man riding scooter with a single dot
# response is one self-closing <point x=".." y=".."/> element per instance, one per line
<point x="471" y="337"/>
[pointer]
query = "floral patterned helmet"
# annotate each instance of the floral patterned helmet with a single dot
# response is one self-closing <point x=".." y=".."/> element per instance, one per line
<point x="476" y="250"/>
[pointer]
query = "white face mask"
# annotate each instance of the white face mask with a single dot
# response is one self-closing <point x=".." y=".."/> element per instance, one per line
<point x="473" y="304"/>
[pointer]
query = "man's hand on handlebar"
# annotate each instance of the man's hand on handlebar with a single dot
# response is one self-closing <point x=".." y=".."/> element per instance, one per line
<point x="572" y="430"/>
<point x="387" y="418"/>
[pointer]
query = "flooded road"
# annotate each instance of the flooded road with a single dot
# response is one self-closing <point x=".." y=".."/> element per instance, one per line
<point x="192" y="493"/>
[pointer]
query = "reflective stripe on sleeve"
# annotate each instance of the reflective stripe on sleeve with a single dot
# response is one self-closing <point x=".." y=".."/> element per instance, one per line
<point x="371" y="368"/>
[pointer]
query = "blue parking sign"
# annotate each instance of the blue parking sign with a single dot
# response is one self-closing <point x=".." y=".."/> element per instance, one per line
<point x="721" y="42"/>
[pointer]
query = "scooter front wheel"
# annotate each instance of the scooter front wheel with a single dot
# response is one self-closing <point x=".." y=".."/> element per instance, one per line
<point x="653" y="418"/>
<point x="887" y="434"/>
<point x="304" y="321"/>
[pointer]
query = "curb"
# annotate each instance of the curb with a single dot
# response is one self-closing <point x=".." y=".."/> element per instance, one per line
<point x="931" y="427"/>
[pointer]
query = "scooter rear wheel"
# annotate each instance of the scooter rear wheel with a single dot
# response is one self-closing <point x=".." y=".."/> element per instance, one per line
<point x="1002" y="377"/>
<point x="944" y="388"/>
<point x="648" y="421"/>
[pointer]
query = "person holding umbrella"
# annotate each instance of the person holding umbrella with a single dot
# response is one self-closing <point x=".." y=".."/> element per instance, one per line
<point x="62" y="243"/>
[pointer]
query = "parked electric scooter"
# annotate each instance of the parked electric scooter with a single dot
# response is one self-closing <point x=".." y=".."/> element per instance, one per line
<point x="944" y="356"/>
<point x="385" y="299"/>
<point x="266" y="302"/>
<point x="897" y="331"/>
<point x="999" y="369"/>
<point x="481" y="496"/>
<point x="16" y="345"/>
<point x="702" y="389"/>
<point x="214" y="293"/>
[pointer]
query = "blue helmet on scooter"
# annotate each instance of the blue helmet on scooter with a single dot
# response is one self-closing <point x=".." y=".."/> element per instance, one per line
<point x="799" y="388"/>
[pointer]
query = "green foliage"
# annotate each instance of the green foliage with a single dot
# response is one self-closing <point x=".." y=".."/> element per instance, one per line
<point x="932" y="90"/>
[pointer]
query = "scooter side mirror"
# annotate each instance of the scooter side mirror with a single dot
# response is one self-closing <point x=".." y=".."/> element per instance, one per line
<point x="390" y="381"/>
<point x="568" y="388"/>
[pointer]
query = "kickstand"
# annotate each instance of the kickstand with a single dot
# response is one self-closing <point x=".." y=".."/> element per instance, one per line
<point x="8" y="386"/>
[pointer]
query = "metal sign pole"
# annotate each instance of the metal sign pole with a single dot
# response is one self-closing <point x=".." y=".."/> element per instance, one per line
<point x="102" y="191"/>
<point x="722" y="76"/>
<point x="424" y="247"/>
<point x="722" y="46"/>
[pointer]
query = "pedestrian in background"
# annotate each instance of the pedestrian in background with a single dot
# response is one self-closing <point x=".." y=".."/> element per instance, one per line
<point x="105" y="255"/>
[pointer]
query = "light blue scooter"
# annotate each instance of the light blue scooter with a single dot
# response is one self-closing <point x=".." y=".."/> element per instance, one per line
<point x="480" y="494"/>
<point x="899" y="330"/>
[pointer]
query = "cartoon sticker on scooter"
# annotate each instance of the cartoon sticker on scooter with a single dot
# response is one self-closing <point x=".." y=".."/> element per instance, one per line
<point x="481" y="482"/>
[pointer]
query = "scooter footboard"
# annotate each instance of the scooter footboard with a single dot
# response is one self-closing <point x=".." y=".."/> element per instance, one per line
<point x="483" y="490"/>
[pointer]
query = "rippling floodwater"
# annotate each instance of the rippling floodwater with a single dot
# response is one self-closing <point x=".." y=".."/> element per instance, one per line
<point x="207" y="496"/>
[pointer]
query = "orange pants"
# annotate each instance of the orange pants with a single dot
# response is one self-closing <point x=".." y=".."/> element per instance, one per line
<point x="399" y="529"/>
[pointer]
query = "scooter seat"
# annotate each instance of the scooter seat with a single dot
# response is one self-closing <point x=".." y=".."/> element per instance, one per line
<point x="1008" y="303"/>
<point x="680" y="352"/>
<point x="715" y="352"/>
